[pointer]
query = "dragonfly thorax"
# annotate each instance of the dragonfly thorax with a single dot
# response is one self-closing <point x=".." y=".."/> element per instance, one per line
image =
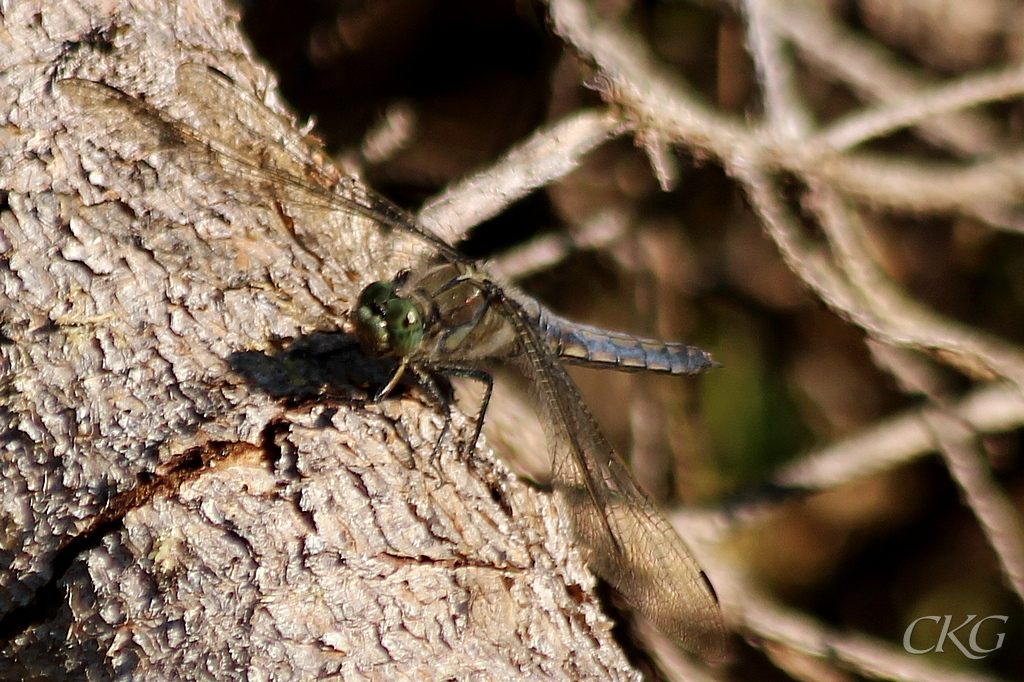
<point x="386" y="324"/>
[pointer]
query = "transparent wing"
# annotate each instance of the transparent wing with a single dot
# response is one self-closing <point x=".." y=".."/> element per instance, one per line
<point x="276" y="164"/>
<point x="210" y="92"/>
<point x="632" y="544"/>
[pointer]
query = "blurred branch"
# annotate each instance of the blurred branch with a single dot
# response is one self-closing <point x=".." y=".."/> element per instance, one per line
<point x="863" y="655"/>
<point x="998" y="518"/>
<point x="787" y="636"/>
<point x="894" y="442"/>
<point x="979" y="190"/>
<point x="545" y="252"/>
<point x="992" y="408"/>
<point x="784" y="114"/>
<point x="549" y="154"/>
<point x="872" y="70"/>
<point x="919" y="107"/>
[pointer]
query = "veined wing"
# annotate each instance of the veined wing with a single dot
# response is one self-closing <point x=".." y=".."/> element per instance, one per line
<point x="632" y="544"/>
<point x="208" y="90"/>
<point x="282" y="169"/>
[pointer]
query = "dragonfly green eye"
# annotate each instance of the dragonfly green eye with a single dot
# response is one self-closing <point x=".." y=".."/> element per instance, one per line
<point x="370" y="323"/>
<point x="387" y="324"/>
<point x="405" y="326"/>
<point x="376" y="295"/>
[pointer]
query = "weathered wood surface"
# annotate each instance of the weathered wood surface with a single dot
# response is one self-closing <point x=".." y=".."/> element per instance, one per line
<point x="188" y="490"/>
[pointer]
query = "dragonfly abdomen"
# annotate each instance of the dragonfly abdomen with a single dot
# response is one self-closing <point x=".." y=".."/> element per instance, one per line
<point x="580" y="344"/>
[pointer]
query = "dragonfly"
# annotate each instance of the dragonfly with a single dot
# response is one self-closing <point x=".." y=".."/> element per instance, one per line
<point x="450" y="318"/>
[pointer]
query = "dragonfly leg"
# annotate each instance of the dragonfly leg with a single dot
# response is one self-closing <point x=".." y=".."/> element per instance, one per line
<point x="429" y="384"/>
<point x="488" y="381"/>
<point x="392" y="382"/>
<point x="426" y="378"/>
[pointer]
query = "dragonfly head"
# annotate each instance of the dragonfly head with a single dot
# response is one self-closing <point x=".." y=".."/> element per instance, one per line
<point x="386" y="324"/>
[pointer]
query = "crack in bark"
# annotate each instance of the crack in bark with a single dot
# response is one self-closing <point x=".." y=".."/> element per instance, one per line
<point x="185" y="467"/>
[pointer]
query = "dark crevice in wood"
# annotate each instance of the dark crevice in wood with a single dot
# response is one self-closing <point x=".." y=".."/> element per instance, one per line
<point x="453" y="564"/>
<point x="47" y="599"/>
<point x="284" y="463"/>
<point x="498" y="497"/>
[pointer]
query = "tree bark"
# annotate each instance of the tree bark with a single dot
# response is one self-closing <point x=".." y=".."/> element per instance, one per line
<point x="191" y="487"/>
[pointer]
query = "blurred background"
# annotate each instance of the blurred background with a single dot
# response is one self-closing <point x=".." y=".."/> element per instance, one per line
<point x="461" y="81"/>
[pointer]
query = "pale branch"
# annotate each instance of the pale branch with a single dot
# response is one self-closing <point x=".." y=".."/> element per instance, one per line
<point x="872" y="70"/>
<point x="999" y="520"/>
<point x="919" y="107"/>
<point x="548" y="155"/>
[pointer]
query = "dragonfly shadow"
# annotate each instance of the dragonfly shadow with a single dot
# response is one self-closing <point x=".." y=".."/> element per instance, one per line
<point x="319" y="365"/>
